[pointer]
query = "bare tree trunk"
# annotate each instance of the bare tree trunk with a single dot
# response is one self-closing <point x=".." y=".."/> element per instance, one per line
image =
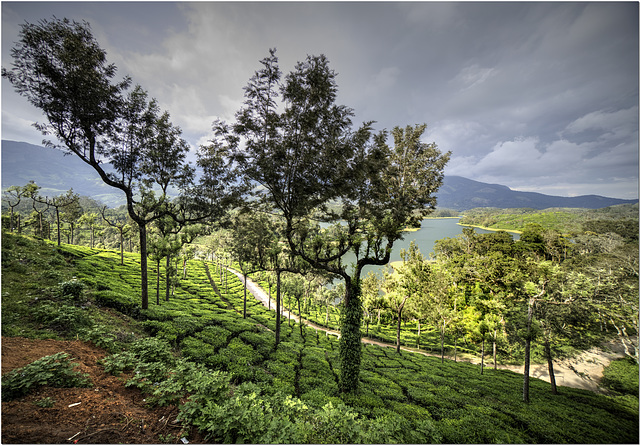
<point x="278" y="272"/>
<point x="398" y="330"/>
<point x="552" y="376"/>
<point x="244" y="310"/>
<point x="455" y="349"/>
<point x="158" y="281"/>
<point x="527" y="354"/>
<point x="300" y="319"/>
<point x="168" y="282"/>
<point x="495" y="349"/>
<point x="144" y="290"/>
<point x="58" y="222"/>
<point x="482" y="358"/>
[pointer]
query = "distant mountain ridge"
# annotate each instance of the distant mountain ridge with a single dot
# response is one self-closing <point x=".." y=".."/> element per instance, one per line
<point x="460" y="193"/>
<point x="57" y="173"/>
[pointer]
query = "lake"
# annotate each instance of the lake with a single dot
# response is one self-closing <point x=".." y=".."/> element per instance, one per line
<point x="425" y="237"/>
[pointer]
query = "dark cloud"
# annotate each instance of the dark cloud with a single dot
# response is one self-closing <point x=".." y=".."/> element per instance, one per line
<point x="537" y="96"/>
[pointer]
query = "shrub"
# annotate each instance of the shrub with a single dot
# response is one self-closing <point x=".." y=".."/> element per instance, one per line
<point x="46" y="402"/>
<point x="102" y="338"/>
<point x="53" y="370"/>
<point x="116" y="364"/>
<point x="216" y="336"/>
<point x="153" y="350"/>
<point x="119" y="302"/>
<point x="72" y="288"/>
<point x="622" y="376"/>
<point x="63" y="318"/>
<point x="199" y="351"/>
<point x="193" y="379"/>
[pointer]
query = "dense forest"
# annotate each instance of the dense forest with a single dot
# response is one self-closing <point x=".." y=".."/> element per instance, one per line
<point x="285" y="194"/>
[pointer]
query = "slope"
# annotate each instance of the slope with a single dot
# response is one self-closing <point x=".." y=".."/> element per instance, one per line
<point x="289" y="393"/>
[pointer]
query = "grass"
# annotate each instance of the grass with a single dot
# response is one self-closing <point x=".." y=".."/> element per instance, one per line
<point x="403" y="397"/>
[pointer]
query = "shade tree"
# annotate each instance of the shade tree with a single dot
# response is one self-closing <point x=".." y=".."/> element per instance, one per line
<point x="121" y="222"/>
<point x="60" y="68"/>
<point x="304" y="155"/>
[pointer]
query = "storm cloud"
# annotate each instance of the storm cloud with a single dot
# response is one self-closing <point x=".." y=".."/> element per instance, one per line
<point x="536" y="96"/>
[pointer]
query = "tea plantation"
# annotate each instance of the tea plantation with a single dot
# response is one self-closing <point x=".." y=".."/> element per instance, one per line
<point x="230" y="380"/>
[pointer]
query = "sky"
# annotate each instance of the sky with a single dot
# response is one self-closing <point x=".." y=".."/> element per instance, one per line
<point x="536" y="96"/>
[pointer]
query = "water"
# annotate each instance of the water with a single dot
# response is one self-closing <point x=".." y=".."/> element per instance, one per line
<point x="430" y="231"/>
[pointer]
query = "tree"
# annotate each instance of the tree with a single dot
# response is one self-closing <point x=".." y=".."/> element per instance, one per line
<point x="72" y="212"/>
<point x="409" y="281"/>
<point x="371" y="299"/>
<point x="120" y="223"/>
<point x="13" y="196"/>
<point x="440" y="301"/>
<point x="39" y="211"/>
<point x="90" y="219"/>
<point x="60" y="68"/>
<point x="58" y="202"/>
<point x="306" y="156"/>
<point x="251" y="239"/>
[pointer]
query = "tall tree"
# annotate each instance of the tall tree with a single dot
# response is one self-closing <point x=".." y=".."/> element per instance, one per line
<point x="304" y="156"/>
<point x="251" y="240"/>
<point x="60" y="68"/>
<point x="90" y="220"/>
<point x="13" y="196"/>
<point x="408" y="282"/>
<point x="371" y="299"/>
<point x="122" y="224"/>
<point x="72" y="212"/>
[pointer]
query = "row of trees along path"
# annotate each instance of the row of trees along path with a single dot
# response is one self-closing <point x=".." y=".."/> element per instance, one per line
<point x="582" y="372"/>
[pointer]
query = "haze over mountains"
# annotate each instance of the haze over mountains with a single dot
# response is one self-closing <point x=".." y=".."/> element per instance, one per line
<point x="57" y="173"/>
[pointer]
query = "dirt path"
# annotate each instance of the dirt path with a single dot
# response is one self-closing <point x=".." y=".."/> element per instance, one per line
<point x="584" y="371"/>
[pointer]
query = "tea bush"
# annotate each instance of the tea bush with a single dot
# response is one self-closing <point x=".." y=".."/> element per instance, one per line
<point x="622" y="376"/>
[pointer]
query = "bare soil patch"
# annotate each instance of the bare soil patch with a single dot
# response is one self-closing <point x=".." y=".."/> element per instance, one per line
<point x="107" y="412"/>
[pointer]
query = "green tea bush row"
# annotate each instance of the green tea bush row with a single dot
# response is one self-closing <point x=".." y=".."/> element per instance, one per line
<point x="622" y="376"/>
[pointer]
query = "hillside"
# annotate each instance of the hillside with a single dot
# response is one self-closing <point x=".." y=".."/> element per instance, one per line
<point x="289" y="392"/>
<point x="57" y="173"/>
<point x="54" y="172"/>
<point x="460" y="193"/>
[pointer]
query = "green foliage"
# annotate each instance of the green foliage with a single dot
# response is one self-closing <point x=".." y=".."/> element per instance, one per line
<point x="193" y="379"/>
<point x="53" y="370"/>
<point x="229" y="366"/>
<point x="116" y="364"/>
<point x="62" y="318"/>
<point x="102" y="338"/>
<point x="622" y="376"/>
<point x="350" y="343"/>
<point x="72" y="288"/>
<point x="46" y="402"/>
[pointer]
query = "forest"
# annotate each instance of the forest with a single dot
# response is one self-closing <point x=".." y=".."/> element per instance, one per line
<point x="283" y="194"/>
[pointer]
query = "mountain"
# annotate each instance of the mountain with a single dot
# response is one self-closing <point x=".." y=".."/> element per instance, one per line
<point x="460" y="193"/>
<point x="57" y="173"/>
<point x="54" y="172"/>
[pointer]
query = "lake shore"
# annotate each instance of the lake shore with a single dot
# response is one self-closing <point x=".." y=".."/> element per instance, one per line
<point x="490" y="229"/>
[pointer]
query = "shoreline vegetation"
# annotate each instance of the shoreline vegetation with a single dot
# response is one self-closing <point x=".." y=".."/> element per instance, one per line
<point x="490" y="229"/>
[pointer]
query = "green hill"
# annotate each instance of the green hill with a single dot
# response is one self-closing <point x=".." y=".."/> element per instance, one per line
<point x="226" y="376"/>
